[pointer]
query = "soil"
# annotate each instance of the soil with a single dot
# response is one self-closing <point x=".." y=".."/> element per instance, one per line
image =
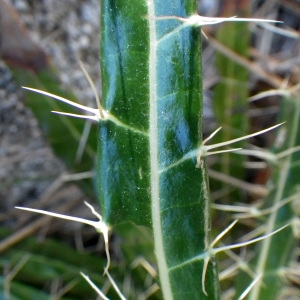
<point x="67" y="31"/>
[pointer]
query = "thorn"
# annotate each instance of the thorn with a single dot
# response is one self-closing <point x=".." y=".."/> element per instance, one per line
<point x="211" y="136"/>
<point x="239" y="245"/>
<point x="93" y="118"/>
<point x="98" y="102"/>
<point x="198" y="21"/>
<point x="205" y="266"/>
<point x="96" y="113"/>
<point x="100" y="226"/>
<point x="203" y="150"/>
<point x="248" y="289"/>
<point x="93" y="285"/>
<point x="115" y="287"/>
<point x="220" y="235"/>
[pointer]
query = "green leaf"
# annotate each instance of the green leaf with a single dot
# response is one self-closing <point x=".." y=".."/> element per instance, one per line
<point x="230" y="101"/>
<point x="37" y="265"/>
<point x="20" y="291"/>
<point x="276" y="254"/>
<point x="137" y="248"/>
<point x="151" y="73"/>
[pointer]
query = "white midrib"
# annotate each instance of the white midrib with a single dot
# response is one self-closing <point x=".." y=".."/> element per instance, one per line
<point x="154" y="167"/>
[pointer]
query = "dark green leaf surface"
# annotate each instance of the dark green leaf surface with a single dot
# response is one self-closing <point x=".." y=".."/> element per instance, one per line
<point x="152" y="85"/>
<point x="124" y="153"/>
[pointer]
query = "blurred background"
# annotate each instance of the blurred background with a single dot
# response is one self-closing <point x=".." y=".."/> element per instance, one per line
<point x="41" y="43"/>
